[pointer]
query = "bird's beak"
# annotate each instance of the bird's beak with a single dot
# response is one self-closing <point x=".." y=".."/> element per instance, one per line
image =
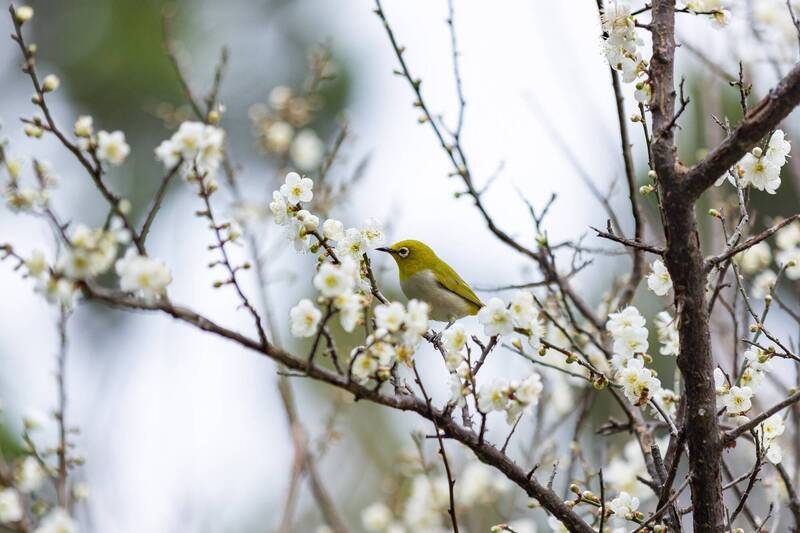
<point x="384" y="249"/>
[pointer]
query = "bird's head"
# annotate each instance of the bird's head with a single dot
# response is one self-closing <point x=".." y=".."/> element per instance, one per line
<point x="411" y="256"/>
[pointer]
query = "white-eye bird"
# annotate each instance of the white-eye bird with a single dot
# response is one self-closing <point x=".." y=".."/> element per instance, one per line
<point x="424" y="276"/>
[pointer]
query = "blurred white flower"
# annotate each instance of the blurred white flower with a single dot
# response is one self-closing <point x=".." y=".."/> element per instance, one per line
<point x="390" y="316"/>
<point x="496" y="319"/>
<point x="493" y="396"/>
<point x="304" y="319"/>
<point x="142" y="275"/>
<point x="83" y="126"/>
<point x="416" y="319"/>
<point x="763" y="283"/>
<point x="623" y="504"/>
<point x="788" y="237"/>
<point x="307" y="150"/>
<point x="454" y="338"/>
<point x="57" y="521"/>
<point x="376" y="517"/>
<point x="279" y="208"/>
<point x="10" y="506"/>
<point x="352" y="244"/>
<point x="29" y="475"/>
<point x="373" y="234"/>
<point x="279" y="136"/>
<point x="667" y="333"/>
<point x="791" y="259"/>
<point x="333" y="280"/>
<point x="754" y="259"/>
<point x="111" y="147"/>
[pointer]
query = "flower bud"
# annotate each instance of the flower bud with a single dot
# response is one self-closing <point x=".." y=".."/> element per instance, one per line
<point x="714" y="213"/>
<point x="636" y="118"/>
<point x="644" y="190"/>
<point x="50" y="83"/>
<point x="33" y="131"/>
<point x="23" y="14"/>
<point x="213" y="117"/>
<point x="757" y="152"/>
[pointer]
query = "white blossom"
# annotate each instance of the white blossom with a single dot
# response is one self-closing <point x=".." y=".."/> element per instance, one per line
<point x="304" y="319"/>
<point x="83" y="126"/>
<point x="111" y="147"/>
<point x="628" y="318"/>
<point x="659" y="280"/>
<point x="763" y="283"/>
<point x="373" y="234"/>
<point x="754" y="259"/>
<point x="333" y="280"/>
<point x="57" y="521"/>
<point x="496" y="319"/>
<point x="454" y="338"/>
<point x="738" y="400"/>
<point x="333" y="230"/>
<point x="297" y="189"/>
<point x="416" y="319"/>
<point x="493" y="396"/>
<point x="390" y="316"/>
<point x="788" y="237"/>
<point x="306" y="150"/>
<point x="760" y="172"/>
<point x="352" y="244"/>
<point x="376" y="517"/>
<point x="667" y="333"/>
<point x="624" y="504"/>
<point x="778" y="148"/>
<point x="10" y="506"/>
<point x="791" y="259"/>
<point x="29" y="475"/>
<point x="143" y="275"/>
<point x="279" y="208"/>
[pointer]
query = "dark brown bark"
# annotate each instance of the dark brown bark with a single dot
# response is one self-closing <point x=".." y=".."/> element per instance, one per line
<point x="685" y="262"/>
<point x="759" y="121"/>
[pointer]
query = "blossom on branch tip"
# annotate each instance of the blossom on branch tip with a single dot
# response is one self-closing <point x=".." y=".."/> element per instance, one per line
<point x="304" y="319"/>
<point x="334" y="280"/>
<point x="142" y="275"/>
<point x="297" y="189"/>
<point x="29" y="475"/>
<point x="333" y="230"/>
<point x="111" y="147"/>
<point x="737" y="400"/>
<point x="659" y="280"/>
<point x="496" y="319"/>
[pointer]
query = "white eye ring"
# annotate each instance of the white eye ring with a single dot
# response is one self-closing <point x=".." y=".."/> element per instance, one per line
<point x="403" y="252"/>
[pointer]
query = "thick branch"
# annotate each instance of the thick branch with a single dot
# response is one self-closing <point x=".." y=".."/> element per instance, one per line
<point x="484" y="451"/>
<point x="759" y="121"/>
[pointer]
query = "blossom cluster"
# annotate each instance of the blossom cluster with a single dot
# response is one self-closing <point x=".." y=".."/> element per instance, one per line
<point x="520" y="314"/>
<point x="400" y="329"/>
<point x="28" y="476"/>
<point x="756" y="260"/>
<point x="422" y="506"/>
<point x="761" y="167"/>
<point x="108" y="147"/>
<point x="621" y="47"/>
<point x="511" y="397"/>
<point x="197" y="147"/>
<point x="628" y="330"/>
<point x="21" y="198"/>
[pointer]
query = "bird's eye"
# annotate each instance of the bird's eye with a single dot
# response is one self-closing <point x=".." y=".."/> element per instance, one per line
<point x="403" y="252"/>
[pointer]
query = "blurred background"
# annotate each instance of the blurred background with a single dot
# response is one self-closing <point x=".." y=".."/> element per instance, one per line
<point x="186" y="432"/>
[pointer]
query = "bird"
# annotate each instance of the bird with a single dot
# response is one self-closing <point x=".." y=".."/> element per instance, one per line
<point x="426" y="277"/>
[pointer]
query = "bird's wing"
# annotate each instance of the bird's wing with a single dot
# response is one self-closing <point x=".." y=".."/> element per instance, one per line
<point x="453" y="283"/>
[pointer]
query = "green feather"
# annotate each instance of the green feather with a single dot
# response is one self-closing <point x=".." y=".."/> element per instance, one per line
<point x="420" y="257"/>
